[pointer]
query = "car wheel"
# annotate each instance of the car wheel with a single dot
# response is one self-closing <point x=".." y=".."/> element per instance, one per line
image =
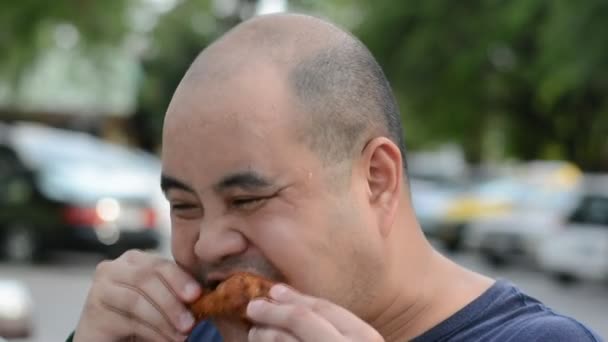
<point x="21" y="245"/>
<point x="565" y="279"/>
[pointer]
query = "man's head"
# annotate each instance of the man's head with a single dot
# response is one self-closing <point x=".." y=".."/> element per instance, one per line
<point x="282" y="154"/>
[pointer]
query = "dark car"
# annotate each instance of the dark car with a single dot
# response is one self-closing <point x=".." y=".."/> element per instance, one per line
<point x="64" y="190"/>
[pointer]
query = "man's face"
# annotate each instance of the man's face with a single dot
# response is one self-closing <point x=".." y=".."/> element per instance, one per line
<point x="247" y="195"/>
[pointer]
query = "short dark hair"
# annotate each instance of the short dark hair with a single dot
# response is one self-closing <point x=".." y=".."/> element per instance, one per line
<point x="347" y="95"/>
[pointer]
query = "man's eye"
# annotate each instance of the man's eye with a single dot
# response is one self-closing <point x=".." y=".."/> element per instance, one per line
<point x="187" y="211"/>
<point x="182" y="206"/>
<point x="248" y="202"/>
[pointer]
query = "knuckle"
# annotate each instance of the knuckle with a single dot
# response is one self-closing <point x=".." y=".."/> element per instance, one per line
<point x="132" y="255"/>
<point x="102" y="268"/>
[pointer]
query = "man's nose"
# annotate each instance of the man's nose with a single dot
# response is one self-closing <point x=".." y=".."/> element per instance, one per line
<point x="219" y="240"/>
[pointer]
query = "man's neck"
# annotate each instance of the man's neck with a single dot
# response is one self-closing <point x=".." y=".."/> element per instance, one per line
<point x="442" y="290"/>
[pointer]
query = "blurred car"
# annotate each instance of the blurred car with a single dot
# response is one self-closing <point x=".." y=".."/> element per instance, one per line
<point x="16" y="310"/>
<point x="430" y="199"/>
<point x="487" y="199"/>
<point x="580" y="250"/>
<point x="501" y="198"/>
<point x="66" y="190"/>
<point x="516" y="235"/>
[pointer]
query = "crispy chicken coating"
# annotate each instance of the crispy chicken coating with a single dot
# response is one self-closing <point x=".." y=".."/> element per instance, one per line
<point x="231" y="297"/>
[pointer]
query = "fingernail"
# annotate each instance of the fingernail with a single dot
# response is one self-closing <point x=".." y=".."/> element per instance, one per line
<point x="279" y="292"/>
<point x="255" y="307"/>
<point x="252" y="332"/>
<point x="191" y="290"/>
<point x="186" y="321"/>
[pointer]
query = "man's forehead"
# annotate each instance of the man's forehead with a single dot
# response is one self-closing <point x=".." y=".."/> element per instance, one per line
<point x="257" y="93"/>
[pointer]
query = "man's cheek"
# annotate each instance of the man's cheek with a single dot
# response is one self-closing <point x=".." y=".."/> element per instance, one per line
<point x="182" y="246"/>
<point x="284" y="249"/>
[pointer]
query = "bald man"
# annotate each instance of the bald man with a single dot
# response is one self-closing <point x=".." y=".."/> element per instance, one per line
<point x="283" y="156"/>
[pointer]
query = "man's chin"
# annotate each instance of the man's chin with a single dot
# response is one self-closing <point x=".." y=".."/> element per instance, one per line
<point x="232" y="330"/>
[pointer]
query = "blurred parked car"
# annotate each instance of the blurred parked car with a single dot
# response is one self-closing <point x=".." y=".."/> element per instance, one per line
<point x="66" y="190"/>
<point x="431" y="199"/>
<point x="16" y="310"/>
<point x="497" y="199"/>
<point x="580" y="250"/>
<point x="487" y="199"/>
<point x="516" y="235"/>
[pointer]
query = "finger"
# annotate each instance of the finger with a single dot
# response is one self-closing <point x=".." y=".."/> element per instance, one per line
<point x="266" y="334"/>
<point x="298" y="320"/>
<point x="164" y="299"/>
<point x="179" y="281"/>
<point x="163" y="281"/>
<point x="136" y="307"/>
<point x="151" y="281"/>
<point x="345" y="321"/>
<point x="137" y="330"/>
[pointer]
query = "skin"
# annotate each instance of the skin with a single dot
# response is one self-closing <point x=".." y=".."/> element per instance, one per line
<point x="246" y="195"/>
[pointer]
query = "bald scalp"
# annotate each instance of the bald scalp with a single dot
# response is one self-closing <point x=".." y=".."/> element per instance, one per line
<point x="336" y="83"/>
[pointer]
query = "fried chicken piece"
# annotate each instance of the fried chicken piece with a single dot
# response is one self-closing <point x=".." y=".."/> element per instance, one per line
<point x="231" y="297"/>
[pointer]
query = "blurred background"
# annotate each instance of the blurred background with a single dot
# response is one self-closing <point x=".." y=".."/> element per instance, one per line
<point x="504" y="106"/>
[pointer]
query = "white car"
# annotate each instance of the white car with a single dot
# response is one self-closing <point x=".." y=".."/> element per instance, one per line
<point x="16" y="310"/>
<point x="580" y="251"/>
<point x="538" y="212"/>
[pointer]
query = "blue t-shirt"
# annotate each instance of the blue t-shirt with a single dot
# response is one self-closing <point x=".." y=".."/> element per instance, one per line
<point x="205" y="332"/>
<point x="505" y="314"/>
<point x="501" y="314"/>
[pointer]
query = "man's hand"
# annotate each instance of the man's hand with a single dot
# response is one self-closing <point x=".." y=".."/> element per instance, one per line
<point x="292" y="316"/>
<point x="138" y="296"/>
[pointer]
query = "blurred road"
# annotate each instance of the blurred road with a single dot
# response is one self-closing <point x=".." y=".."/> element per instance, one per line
<point x="60" y="288"/>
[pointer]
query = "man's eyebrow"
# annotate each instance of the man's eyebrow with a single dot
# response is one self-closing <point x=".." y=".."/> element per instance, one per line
<point x="167" y="183"/>
<point x="247" y="180"/>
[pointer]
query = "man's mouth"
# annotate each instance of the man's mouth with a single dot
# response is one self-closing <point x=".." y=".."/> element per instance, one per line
<point x="215" y="279"/>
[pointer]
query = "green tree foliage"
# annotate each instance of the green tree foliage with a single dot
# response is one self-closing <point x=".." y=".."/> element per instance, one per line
<point x="516" y="78"/>
<point x="534" y="70"/>
<point x="29" y="27"/>
<point x="177" y="39"/>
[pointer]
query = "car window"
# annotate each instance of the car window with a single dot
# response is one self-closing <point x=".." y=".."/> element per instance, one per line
<point x="598" y="211"/>
<point x="593" y="210"/>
